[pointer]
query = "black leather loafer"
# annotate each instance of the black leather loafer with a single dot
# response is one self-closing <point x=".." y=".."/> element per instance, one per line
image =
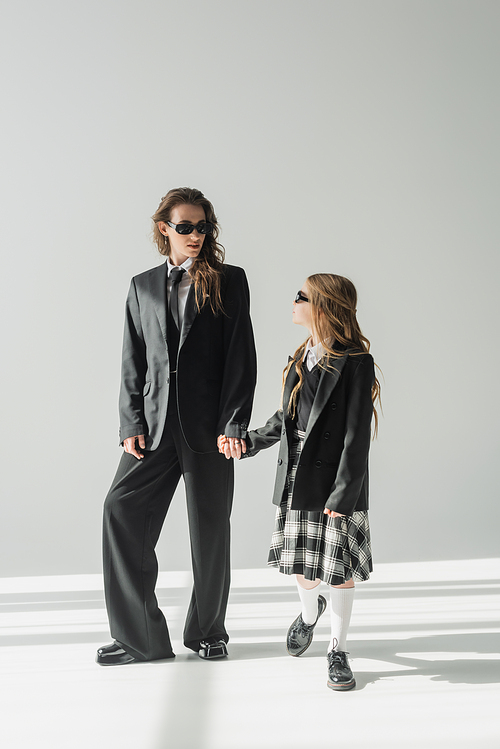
<point x="300" y="634"/>
<point x="340" y="676"/>
<point x="113" y="655"/>
<point x="212" y="649"/>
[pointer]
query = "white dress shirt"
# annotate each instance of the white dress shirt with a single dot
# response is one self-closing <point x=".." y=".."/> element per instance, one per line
<point x="313" y="354"/>
<point x="184" y="284"/>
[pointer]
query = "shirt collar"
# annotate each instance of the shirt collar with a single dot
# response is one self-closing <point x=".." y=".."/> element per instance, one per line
<point x="185" y="265"/>
<point x="314" y="353"/>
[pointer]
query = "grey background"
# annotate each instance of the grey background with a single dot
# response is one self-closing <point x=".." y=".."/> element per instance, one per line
<point x="357" y="137"/>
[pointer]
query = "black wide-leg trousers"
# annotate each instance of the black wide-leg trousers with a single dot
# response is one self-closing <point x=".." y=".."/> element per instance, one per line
<point x="134" y="511"/>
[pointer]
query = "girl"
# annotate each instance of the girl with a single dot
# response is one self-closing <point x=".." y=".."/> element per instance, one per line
<point x="321" y="489"/>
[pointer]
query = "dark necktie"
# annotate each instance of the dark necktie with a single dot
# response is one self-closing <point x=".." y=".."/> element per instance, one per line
<point x="173" y="327"/>
<point x="176" y="276"/>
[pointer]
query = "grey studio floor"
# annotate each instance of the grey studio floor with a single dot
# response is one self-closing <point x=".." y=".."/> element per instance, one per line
<point x="424" y="646"/>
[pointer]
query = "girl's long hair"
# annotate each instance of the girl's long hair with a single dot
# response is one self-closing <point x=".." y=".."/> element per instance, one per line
<point x="333" y="301"/>
<point x="206" y="270"/>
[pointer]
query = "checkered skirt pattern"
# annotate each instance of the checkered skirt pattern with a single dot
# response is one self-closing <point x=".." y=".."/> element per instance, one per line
<point x="314" y="544"/>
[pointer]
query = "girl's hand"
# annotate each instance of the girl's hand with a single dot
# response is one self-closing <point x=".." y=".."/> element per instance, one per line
<point x="231" y="447"/>
<point x="333" y="514"/>
<point x="221" y="441"/>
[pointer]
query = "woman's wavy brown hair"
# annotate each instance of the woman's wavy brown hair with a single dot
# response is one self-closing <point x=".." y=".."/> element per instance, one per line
<point x="206" y="270"/>
<point x="333" y="301"/>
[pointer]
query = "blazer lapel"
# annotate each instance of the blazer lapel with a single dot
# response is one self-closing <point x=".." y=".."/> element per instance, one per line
<point x="291" y="380"/>
<point x="158" y="287"/>
<point x="328" y="380"/>
<point x="190" y="313"/>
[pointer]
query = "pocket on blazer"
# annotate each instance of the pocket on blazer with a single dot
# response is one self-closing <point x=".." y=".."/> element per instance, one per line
<point x="146" y="389"/>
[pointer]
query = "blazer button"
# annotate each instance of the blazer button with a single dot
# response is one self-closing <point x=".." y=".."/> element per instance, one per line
<point x="334" y="406"/>
<point x="326" y="435"/>
<point x="279" y="461"/>
<point x="318" y="464"/>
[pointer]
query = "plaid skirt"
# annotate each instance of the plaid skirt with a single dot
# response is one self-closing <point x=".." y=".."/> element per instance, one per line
<point x="314" y="544"/>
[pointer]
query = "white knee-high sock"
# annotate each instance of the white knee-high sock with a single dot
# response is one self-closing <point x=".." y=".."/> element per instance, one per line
<point x="309" y="601"/>
<point x="341" y="600"/>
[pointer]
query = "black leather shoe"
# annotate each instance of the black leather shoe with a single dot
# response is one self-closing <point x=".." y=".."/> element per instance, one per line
<point x="340" y="675"/>
<point x="212" y="648"/>
<point x="300" y="634"/>
<point x="113" y="655"/>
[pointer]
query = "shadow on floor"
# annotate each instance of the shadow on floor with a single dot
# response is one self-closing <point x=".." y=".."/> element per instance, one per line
<point x="463" y="663"/>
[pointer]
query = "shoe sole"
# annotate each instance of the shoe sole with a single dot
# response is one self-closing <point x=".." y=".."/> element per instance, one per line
<point x="132" y="660"/>
<point x="322" y="601"/>
<point x="341" y="687"/>
<point x="116" y="663"/>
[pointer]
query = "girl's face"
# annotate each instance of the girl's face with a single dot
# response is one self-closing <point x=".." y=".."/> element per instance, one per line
<point x="183" y="246"/>
<point x="302" y="310"/>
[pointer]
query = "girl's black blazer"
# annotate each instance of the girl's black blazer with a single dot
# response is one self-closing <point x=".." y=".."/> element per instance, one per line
<point x="333" y="466"/>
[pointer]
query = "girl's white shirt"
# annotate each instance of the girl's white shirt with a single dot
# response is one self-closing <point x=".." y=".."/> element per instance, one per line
<point x="313" y="354"/>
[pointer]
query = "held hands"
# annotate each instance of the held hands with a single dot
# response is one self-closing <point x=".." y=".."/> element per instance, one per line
<point x="231" y="447"/>
<point x="130" y="447"/>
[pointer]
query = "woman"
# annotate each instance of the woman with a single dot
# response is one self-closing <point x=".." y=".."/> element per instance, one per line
<point x="188" y="374"/>
<point x="324" y="430"/>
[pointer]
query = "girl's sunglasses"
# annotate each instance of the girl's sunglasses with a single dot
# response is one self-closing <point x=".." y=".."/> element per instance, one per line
<point x="202" y="227"/>
<point x="300" y="297"/>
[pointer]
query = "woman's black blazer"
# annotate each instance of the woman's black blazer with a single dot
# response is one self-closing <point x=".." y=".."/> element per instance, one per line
<point x="216" y="365"/>
<point x="333" y="466"/>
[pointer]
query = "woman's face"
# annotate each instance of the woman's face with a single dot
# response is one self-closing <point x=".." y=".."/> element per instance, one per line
<point x="183" y="246"/>
<point x="302" y="310"/>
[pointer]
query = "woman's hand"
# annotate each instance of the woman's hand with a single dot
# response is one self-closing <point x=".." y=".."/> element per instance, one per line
<point x="231" y="447"/>
<point x="129" y="446"/>
<point x="333" y="514"/>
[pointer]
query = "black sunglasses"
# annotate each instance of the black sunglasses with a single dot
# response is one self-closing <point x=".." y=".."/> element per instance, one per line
<point x="202" y="227"/>
<point x="300" y="297"/>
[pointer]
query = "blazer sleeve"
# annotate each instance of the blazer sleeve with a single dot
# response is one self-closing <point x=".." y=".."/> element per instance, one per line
<point x="263" y="437"/>
<point x="353" y="464"/>
<point x="134" y="366"/>
<point x="240" y="360"/>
